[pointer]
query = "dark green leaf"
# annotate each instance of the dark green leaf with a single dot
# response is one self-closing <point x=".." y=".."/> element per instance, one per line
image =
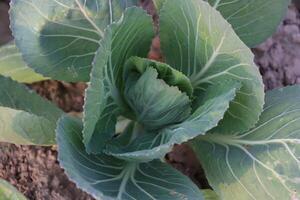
<point x="59" y="38"/>
<point x="154" y="102"/>
<point x="155" y="144"/>
<point x="254" y="21"/>
<point x="199" y="42"/>
<point x="103" y="99"/>
<point x="108" y="178"/>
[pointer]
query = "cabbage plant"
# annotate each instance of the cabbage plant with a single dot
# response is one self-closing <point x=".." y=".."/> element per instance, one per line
<point x="207" y="93"/>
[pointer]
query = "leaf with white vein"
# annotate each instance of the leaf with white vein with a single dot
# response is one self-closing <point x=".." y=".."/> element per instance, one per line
<point x="13" y="66"/>
<point x="263" y="163"/>
<point x="108" y="178"/>
<point x="25" y="117"/>
<point x="156" y="144"/>
<point x="59" y="38"/>
<point x="255" y="20"/>
<point x="199" y="42"/>
<point x="8" y="192"/>
<point x="103" y="99"/>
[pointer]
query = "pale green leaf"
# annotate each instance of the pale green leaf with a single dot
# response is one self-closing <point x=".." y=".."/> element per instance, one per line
<point x="59" y="38"/>
<point x="255" y="20"/>
<point x="13" y="66"/>
<point x="210" y="195"/>
<point x="19" y="127"/>
<point x="199" y="42"/>
<point x="263" y="163"/>
<point x="8" y="192"/>
<point x="103" y="99"/>
<point x="155" y="144"/>
<point x="25" y="117"/>
<point x="108" y="178"/>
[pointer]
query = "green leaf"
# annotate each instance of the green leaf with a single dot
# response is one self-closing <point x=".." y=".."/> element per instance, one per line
<point x="59" y="38"/>
<point x="155" y="103"/>
<point x="210" y="195"/>
<point x="155" y="144"/>
<point x="263" y="163"/>
<point x="8" y="192"/>
<point x="254" y="21"/>
<point x="25" y="117"/>
<point x="158" y="4"/>
<point x="197" y="41"/>
<point x="108" y="178"/>
<point x="165" y="72"/>
<point x="13" y="66"/>
<point x="103" y="99"/>
<point x="19" y="127"/>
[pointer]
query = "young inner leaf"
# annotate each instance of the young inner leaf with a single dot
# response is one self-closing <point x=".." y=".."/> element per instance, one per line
<point x="157" y="94"/>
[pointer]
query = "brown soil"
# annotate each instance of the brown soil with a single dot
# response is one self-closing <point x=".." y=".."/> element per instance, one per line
<point x="35" y="170"/>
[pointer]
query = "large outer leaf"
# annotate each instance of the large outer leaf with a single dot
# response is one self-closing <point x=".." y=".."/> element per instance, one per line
<point x="197" y="40"/>
<point x="151" y="145"/>
<point x="108" y="178"/>
<point x="25" y="117"/>
<point x="12" y="65"/>
<point x="127" y="38"/>
<point x="263" y="163"/>
<point x="253" y="20"/>
<point x="8" y="192"/>
<point x="59" y="38"/>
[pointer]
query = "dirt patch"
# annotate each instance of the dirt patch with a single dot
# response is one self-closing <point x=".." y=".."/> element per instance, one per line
<point x="35" y="170"/>
<point x="36" y="173"/>
<point x="67" y="96"/>
<point x="279" y="57"/>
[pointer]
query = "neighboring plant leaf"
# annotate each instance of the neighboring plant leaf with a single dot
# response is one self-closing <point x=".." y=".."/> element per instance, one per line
<point x="19" y="127"/>
<point x="25" y="117"/>
<point x="263" y="163"/>
<point x="210" y="195"/>
<point x="59" y="38"/>
<point x="254" y="21"/>
<point x="8" y="192"/>
<point x="151" y="145"/>
<point x="13" y="66"/>
<point x="197" y="41"/>
<point x="103" y="99"/>
<point x="108" y="178"/>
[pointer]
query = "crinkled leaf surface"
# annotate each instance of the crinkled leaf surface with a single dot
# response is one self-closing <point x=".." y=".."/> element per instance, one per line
<point x="8" y="192"/>
<point x="255" y="20"/>
<point x="199" y="42"/>
<point x="263" y="163"/>
<point x="12" y="65"/>
<point x="59" y="38"/>
<point x="102" y="96"/>
<point x="108" y="178"/>
<point x="155" y="103"/>
<point x="25" y="117"/>
<point x="155" y="144"/>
